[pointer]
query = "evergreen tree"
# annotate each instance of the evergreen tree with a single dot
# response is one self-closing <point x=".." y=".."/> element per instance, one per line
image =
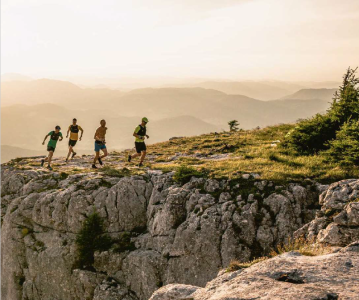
<point x="314" y="134"/>
<point x="233" y="125"/>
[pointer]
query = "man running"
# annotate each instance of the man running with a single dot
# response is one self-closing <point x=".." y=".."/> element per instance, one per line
<point x="74" y="137"/>
<point x="140" y="134"/>
<point x="51" y="145"/>
<point x="100" y="144"/>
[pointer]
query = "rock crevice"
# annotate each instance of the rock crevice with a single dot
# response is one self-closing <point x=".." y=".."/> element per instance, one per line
<point x="180" y="234"/>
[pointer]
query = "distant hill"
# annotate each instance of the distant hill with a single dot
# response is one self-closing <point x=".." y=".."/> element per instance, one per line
<point x="253" y="89"/>
<point x="38" y="120"/>
<point x="302" y="107"/>
<point x="310" y="94"/>
<point x="182" y="126"/>
<point x="9" y="152"/>
<point x="262" y="90"/>
<point x="57" y="92"/>
<point x="172" y="111"/>
<point x="14" y="77"/>
<point x="215" y="107"/>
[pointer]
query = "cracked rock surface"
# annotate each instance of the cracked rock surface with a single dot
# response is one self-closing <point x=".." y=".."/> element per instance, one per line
<point x="288" y="276"/>
<point x="181" y="234"/>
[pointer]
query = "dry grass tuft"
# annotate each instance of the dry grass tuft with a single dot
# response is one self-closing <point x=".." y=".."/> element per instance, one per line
<point x="301" y="245"/>
<point x="236" y="265"/>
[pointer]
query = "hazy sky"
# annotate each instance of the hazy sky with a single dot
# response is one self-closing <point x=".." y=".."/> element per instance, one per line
<point x="233" y="39"/>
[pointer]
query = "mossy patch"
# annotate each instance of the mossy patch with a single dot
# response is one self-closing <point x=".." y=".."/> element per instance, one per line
<point x="110" y="171"/>
<point x="184" y="174"/>
<point x="63" y="175"/>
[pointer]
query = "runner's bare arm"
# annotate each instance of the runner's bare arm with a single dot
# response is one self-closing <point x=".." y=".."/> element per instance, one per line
<point x="96" y="136"/>
<point x="67" y="134"/>
<point x="82" y="132"/>
<point x="45" y="139"/>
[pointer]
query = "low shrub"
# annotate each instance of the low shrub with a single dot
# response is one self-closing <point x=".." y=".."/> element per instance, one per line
<point x="63" y="175"/>
<point x="345" y="148"/>
<point x="124" y="243"/>
<point x="312" y="135"/>
<point x="184" y="174"/>
<point x="91" y="239"/>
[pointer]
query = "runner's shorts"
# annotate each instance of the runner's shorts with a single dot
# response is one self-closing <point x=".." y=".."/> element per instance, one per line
<point x="72" y="143"/>
<point x="49" y="148"/>
<point x="99" y="146"/>
<point x="140" y="146"/>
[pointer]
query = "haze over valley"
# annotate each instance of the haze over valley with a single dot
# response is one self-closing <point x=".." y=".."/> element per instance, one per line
<point x="190" y="67"/>
<point x="32" y="107"/>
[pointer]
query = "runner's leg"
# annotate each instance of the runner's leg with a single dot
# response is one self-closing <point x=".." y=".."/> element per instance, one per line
<point x="51" y="153"/>
<point x="70" y="150"/>
<point x="97" y="155"/>
<point x="135" y="155"/>
<point x="104" y="150"/>
<point x="143" y="155"/>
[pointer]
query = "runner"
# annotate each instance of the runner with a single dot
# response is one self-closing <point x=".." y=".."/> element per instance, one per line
<point x="140" y="134"/>
<point x="100" y="144"/>
<point x="51" y="145"/>
<point x="74" y="137"/>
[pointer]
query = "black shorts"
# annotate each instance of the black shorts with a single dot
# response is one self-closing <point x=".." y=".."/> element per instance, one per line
<point x="72" y="143"/>
<point x="49" y="148"/>
<point x="140" y="146"/>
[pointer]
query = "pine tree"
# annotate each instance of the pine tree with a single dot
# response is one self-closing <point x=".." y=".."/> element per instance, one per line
<point x="233" y="125"/>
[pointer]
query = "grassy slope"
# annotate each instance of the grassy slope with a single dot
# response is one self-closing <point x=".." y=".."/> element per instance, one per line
<point x="252" y="153"/>
<point x="246" y="152"/>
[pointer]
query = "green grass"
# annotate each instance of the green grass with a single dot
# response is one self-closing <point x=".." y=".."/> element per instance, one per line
<point x="184" y="173"/>
<point x="111" y="171"/>
<point x="251" y="152"/>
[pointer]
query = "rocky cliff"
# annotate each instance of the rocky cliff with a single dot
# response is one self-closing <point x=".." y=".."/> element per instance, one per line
<point x="292" y="275"/>
<point x="162" y="232"/>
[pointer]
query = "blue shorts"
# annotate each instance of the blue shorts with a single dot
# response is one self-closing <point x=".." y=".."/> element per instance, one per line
<point x="99" y="146"/>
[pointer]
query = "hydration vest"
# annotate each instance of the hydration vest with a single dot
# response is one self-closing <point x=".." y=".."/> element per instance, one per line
<point x="55" y="136"/>
<point x="74" y="128"/>
<point x="142" y="131"/>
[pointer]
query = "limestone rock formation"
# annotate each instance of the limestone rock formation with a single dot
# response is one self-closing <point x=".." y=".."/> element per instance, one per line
<point x="337" y="223"/>
<point x="181" y="234"/>
<point x="288" y="276"/>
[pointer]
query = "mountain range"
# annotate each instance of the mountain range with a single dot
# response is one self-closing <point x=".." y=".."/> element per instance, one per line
<point x="32" y="108"/>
